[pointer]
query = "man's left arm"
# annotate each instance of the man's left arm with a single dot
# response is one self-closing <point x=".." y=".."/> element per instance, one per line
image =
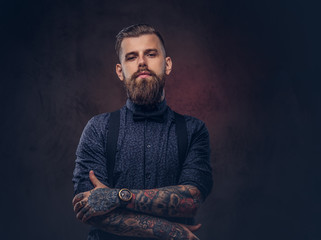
<point x="171" y="201"/>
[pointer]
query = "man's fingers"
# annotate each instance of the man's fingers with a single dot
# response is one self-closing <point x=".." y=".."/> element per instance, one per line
<point x="88" y="215"/>
<point x="82" y="212"/>
<point x="193" y="228"/>
<point x="78" y="198"/>
<point x="95" y="180"/>
<point x="79" y="205"/>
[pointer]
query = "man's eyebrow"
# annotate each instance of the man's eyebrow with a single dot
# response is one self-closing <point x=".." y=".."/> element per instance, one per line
<point x="146" y="51"/>
<point x="151" y="50"/>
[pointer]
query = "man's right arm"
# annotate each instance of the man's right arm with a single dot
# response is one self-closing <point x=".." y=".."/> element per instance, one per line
<point x="126" y="223"/>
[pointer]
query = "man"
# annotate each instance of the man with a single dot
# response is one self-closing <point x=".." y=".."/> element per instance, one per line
<point x="146" y="192"/>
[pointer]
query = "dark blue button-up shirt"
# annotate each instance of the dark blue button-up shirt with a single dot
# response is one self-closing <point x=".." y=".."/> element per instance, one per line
<point x="147" y="152"/>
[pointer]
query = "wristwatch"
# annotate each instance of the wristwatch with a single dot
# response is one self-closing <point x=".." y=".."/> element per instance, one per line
<point x="125" y="195"/>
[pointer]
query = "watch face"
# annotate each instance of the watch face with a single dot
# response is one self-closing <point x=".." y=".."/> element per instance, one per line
<point x="125" y="195"/>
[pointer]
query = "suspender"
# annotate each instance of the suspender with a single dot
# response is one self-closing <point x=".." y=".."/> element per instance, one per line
<point x="112" y="138"/>
<point x="181" y="134"/>
<point x="111" y="145"/>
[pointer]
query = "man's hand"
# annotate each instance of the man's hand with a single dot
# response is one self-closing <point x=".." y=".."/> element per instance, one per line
<point x="98" y="201"/>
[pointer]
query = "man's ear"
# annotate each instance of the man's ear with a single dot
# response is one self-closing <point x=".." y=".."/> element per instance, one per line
<point x="119" y="71"/>
<point x="168" y="65"/>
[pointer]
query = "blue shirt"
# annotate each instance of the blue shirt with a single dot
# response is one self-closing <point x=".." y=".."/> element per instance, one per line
<point x="147" y="152"/>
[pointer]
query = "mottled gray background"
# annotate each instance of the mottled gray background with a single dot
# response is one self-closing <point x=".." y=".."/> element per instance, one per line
<point x="249" y="69"/>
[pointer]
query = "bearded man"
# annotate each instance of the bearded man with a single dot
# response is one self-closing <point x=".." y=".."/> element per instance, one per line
<point x="143" y="171"/>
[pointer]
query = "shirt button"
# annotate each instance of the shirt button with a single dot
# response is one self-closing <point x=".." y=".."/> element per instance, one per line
<point x="147" y="175"/>
<point x="148" y="146"/>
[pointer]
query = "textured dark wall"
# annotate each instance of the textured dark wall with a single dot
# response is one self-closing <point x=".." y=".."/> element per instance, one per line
<point x="249" y="69"/>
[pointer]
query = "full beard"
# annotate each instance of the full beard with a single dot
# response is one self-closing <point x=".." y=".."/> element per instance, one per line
<point x="144" y="91"/>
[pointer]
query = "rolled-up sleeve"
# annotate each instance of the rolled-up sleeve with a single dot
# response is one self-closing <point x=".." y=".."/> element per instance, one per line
<point x="90" y="155"/>
<point x="197" y="169"/>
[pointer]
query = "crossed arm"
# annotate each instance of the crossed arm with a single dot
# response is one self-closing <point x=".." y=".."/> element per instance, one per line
<point x="100" y="207"/>
<point x="127" y="223"/>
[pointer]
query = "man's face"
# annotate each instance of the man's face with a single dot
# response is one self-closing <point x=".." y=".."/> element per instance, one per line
<point x="143" y="67"/>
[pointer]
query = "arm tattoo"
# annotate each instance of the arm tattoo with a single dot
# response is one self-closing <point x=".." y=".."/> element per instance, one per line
<point x="173" y="201"/>
<point x="127" y="223"/>
<point x="103" y="199"/>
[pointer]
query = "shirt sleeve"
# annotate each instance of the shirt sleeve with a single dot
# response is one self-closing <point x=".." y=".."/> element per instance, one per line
<point x="90" y="155"/>
<point x="197" y="170"/>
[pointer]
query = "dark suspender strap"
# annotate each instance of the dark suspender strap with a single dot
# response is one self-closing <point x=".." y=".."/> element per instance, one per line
<point x="111" y="145"/>
<point x="181" y="133"/>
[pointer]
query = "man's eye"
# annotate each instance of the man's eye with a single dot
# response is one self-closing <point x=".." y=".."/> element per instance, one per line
<point x="151" y="54"/>
<point x="130" y="58"/>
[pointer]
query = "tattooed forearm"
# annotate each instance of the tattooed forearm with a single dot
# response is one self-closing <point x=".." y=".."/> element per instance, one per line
<point x="173" y="201"/>
<point x="127" y="223"/>
<point x="123" y="223"/>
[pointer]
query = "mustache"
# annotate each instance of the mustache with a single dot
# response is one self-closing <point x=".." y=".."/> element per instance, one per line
<point x="145" y="70"/>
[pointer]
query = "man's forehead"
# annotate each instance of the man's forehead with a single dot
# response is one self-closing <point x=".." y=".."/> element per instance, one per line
<point x="141" y="43"/>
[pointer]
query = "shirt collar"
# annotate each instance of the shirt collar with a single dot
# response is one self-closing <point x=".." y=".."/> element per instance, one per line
<point x="160" y="107"/>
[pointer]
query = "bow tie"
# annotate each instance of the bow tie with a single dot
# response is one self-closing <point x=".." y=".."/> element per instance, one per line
<point x="156" y="117"/>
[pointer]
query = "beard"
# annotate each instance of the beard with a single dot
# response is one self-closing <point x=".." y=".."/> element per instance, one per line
<point x="144" y="91"/>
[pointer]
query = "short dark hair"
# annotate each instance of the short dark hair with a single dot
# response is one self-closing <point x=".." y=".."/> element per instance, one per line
<point x="136" y="31"/>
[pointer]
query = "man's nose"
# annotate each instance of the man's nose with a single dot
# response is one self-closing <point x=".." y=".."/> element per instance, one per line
<point x="141" y="61"/>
